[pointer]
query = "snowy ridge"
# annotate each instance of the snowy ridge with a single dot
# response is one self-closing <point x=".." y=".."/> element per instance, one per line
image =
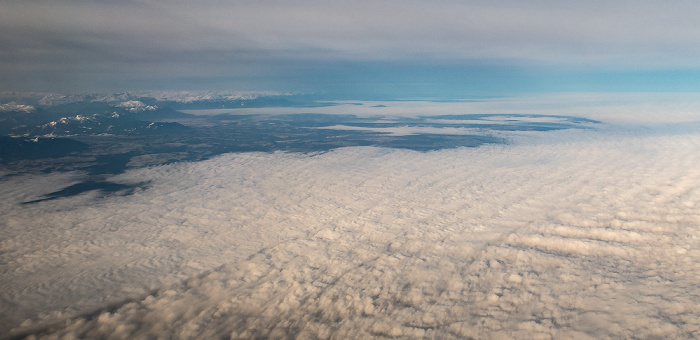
<point x="196" y="96"/>
<point x="12" y="106"/>
<point x="132" y="101"/>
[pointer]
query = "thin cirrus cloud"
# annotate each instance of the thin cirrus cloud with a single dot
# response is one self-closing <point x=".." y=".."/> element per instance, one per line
<point x="258" y="39"/>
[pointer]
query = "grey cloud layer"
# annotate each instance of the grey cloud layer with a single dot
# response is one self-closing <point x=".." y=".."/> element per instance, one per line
<point x="206" y="38"/>
<point x="571" y="237"/>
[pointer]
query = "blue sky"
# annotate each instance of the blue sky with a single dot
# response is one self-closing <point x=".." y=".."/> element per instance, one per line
<point x="385" y="48"/>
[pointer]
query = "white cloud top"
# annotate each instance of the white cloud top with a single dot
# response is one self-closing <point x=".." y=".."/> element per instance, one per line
<point x="619" y="108"/>
<point x="576" y="234"/>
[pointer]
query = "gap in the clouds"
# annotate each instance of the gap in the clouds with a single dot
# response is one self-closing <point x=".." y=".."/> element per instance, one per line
<point x="199" y="137"/>
<point x="105" y="135"/>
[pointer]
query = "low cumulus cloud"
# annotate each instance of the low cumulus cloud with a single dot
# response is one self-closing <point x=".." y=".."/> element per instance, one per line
<point x="581" y="234"/>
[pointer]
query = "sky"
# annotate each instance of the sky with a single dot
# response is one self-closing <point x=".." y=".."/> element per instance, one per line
<point x="386" y="48"/>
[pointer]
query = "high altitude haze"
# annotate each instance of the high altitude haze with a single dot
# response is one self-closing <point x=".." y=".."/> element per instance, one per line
<point x="354" y="47"/>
